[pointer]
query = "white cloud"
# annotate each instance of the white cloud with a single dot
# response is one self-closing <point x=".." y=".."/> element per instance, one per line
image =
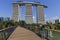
<point x="56" y="17"/>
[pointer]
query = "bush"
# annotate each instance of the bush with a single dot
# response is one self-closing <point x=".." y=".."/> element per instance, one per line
<point x="58" y="26"/>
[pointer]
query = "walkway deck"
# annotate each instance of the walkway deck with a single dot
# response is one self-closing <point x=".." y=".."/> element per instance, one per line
<point x="23" y="34"/>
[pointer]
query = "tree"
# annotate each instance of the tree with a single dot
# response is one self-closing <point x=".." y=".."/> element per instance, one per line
<point x="22" y="23"/>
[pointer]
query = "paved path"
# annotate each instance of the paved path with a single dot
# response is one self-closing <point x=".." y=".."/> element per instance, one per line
<point x="23" y="34"/>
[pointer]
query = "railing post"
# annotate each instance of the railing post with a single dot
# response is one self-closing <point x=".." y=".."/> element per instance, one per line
<point x="4" y="35"/>
<point x="7" y="32"/>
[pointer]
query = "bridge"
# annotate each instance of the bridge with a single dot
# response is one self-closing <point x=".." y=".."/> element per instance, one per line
<point x="23" y="34"/>
<point x="18" y="33"/>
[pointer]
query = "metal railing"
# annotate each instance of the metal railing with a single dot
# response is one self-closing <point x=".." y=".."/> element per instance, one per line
<point x="5" y="33"/>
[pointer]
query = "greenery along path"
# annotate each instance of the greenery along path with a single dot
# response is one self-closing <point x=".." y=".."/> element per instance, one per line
<point x="56" y="36"/>
<point x="1" y="36"/>
<point x="23" y="34"/>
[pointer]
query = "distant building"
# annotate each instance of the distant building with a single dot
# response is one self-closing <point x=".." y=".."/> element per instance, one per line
<point x="1" y="18"/>
<point x="57" y="21"/>
<point x="4" y="19"/>
<point x="53" y="21"/>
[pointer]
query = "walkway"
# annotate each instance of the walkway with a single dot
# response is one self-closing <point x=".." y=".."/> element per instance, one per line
<point x="23" y="34"/>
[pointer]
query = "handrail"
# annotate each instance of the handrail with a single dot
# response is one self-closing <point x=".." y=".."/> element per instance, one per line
<point x="8" y="31"/>
<point x="6" y="28"/>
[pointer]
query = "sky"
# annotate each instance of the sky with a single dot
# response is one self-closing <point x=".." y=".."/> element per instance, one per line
<point x="53" y="10"/>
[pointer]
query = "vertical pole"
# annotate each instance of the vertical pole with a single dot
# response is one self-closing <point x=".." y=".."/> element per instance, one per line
<point x="4" y="35"/>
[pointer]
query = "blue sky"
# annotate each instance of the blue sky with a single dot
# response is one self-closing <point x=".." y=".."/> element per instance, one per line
<point x="53" y="9"/>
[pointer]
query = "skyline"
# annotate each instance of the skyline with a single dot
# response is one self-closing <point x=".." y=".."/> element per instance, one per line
<point x="53" y="9"/>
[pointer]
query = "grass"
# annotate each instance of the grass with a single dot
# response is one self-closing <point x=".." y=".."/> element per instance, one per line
<point x="56" y="36"/>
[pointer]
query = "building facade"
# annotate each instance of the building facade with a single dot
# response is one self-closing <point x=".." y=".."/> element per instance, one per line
<point x="28" y="12"/>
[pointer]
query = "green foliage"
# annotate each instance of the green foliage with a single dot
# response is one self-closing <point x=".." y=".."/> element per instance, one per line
<point x="1" y="36"/>
<point x="57" y="26"/>
<point x="6" y="24"/>
<point x="22" y="23"/>
<point x="1" y="26"/>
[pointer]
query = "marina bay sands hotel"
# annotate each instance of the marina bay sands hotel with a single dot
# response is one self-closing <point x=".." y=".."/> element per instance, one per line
<point x="28" y="11"/>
